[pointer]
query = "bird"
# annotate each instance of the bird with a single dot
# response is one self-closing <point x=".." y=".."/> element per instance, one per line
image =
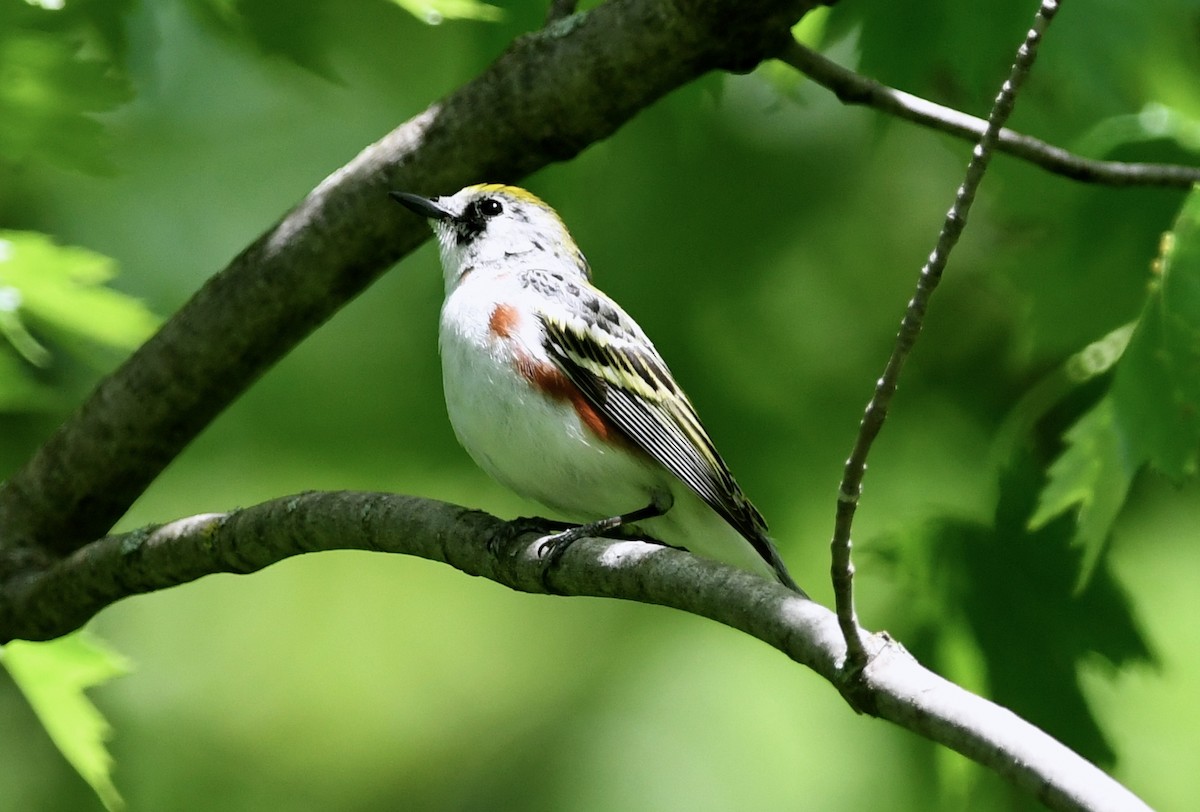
<point x="558" y="394"/>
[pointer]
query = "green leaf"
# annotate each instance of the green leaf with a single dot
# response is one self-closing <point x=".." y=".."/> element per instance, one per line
<point x="1093" y="361"/>
<point x="1153" y="122"/>
<point x="811" y="29"/>
<point x="435" y="11"/>
<point x="1000" y="596"/>
<point x="1094" y="472"/>
<point x="13" y="329"/>
<point x="51" y="88"/>
<point x="1156" y="391"/>
<point x="299" y="31"/>
<point x="1152" y="412"/>
<point x="60" y="290"/>
<point x="53" y="677"/>
<point x="53" y="299"/>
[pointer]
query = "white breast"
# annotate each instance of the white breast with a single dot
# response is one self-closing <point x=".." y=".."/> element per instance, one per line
<point x="530" y="442"/>
<point x="537" y="445"/>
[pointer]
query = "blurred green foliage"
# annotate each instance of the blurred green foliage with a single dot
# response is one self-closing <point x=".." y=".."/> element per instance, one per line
<point x="60" y="66"/>
<point x="785" y="232"/>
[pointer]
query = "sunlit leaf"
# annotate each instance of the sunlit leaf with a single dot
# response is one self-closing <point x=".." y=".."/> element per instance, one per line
<point x="1152" y="413"/>
<point x="435" y="11"/>
<point x="12" y="328"/>
<point x="1093" y="361"/>
<point x="1153" y="122"/>
<point x="812" y="27"/>
<point x="1093" y="473"/>
<point x="60" y="289"/>
<point x="53" y="677"/>
<point x="1157" y="387"/>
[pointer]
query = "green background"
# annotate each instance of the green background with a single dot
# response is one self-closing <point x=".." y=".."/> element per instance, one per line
<point x="767" y="238"/>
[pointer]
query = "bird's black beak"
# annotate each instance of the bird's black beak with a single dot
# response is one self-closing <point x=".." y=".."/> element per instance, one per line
<point x="424" y="206"/>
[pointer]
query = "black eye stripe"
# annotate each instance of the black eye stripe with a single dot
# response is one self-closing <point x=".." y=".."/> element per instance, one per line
<point x="473" y="221"/>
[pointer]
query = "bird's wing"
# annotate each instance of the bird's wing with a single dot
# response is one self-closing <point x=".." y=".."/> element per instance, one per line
<point x="629" y="384"/>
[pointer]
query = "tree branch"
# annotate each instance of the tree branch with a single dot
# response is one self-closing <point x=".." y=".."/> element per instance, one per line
<point x="560" y="10"/>
<point x="893" y="686"/>
<point x="853" y="88"/>
<point x="850" y="488"/>
<point x="551" y="94"/>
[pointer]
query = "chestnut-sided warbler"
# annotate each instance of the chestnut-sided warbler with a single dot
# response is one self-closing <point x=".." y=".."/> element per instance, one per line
<point x="558" y="394"/>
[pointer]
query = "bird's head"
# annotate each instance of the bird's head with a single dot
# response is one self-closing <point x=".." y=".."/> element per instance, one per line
<point x="490" y="225"/>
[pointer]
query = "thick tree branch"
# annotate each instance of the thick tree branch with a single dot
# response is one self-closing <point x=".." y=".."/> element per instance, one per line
<point x="560" y="10"/>
<point x="853" y="88"/>
<point x="551" y="94"/>
<point x="893" y="685"/>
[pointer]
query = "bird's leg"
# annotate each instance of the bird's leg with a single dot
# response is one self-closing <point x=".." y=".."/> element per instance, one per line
<point x="514" y="528"/>
<point x="552" y="547"/>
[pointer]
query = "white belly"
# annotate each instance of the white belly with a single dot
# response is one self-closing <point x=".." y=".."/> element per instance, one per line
<point x="528" y="441"/>
<point x="537" y="445"/>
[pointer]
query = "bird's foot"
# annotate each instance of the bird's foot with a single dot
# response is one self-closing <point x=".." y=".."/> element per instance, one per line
<point x="553" y="546"/>
<point x="520" y="526"/>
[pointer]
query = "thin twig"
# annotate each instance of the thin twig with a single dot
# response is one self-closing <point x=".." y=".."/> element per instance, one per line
<point x="841" y="569"/>
<point x="853" y="88"/>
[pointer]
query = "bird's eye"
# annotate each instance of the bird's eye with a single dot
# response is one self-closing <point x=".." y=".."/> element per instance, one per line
<point x="490" y="207"/>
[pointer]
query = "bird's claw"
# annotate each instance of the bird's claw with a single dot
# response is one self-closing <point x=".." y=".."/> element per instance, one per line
<point x="552" y="547"/>
<point x="520" y="526"/>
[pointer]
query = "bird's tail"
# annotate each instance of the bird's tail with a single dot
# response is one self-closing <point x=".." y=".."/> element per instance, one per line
<point x="770" y="553"/>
